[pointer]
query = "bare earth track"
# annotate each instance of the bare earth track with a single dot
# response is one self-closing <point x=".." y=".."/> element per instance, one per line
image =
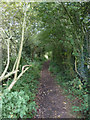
<point x="52" y="103"/>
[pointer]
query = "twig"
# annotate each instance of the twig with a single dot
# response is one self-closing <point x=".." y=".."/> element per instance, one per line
<point x="25" y="66"/>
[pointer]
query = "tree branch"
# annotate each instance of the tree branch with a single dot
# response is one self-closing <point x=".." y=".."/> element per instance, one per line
<point x="7" y="75"/>
<point x="14" y="81"/>
<point x="67" y="13"/>
<point x="76" y="68"/>
<point x="21" y="46"/>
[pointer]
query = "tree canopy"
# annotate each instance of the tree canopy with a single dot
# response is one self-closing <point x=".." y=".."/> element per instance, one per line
<point x="59" y="30"/>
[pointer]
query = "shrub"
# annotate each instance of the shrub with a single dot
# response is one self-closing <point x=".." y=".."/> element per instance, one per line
<point x="74" y="87"/>
<point x="20" y="101"/>
<point x="17" y="105"/>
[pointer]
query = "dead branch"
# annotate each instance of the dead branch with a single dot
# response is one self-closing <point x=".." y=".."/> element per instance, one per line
<point x="14" y="81"/>
<point x="7" y="75"/>
<point x="25" y="66"/>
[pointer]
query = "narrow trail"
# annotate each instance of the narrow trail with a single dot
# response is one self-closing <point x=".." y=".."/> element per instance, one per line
<point x="52" y="103"/>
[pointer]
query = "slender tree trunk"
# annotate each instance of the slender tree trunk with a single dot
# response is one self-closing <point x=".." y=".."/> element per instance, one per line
<point x="0" y="59"/>
<point x="0" y="56"/>
<point x="19" y="55"/>
<point x="0" y="43"/>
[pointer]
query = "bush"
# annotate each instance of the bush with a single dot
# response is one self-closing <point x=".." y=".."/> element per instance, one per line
<point x="74" y="87"/>
<point x="79" y="90"/>
<point x="20" y="102"/>
<point x="16" y="104"/>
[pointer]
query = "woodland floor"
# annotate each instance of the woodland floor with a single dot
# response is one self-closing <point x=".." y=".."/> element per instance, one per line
<point x="50" y="99"/>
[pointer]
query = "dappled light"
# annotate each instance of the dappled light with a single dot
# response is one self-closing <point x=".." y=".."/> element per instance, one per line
<point x="44" y="60"/>
<point x="46" y="56"/>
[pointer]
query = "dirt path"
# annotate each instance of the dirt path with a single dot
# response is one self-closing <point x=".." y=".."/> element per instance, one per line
<point x="52" y="103"/>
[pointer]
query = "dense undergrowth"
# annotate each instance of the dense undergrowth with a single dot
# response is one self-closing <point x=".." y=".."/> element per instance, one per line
<point x="75" y="90"/>
<point x="20" y="101"/>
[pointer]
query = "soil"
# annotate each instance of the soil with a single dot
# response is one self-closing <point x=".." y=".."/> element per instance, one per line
<point x="50" y="98"/>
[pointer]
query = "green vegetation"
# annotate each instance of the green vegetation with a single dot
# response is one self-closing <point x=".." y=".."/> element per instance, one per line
<point x="74" y="89"/>
<point x="20" y="101"/>
<point x="33" y="32"/>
